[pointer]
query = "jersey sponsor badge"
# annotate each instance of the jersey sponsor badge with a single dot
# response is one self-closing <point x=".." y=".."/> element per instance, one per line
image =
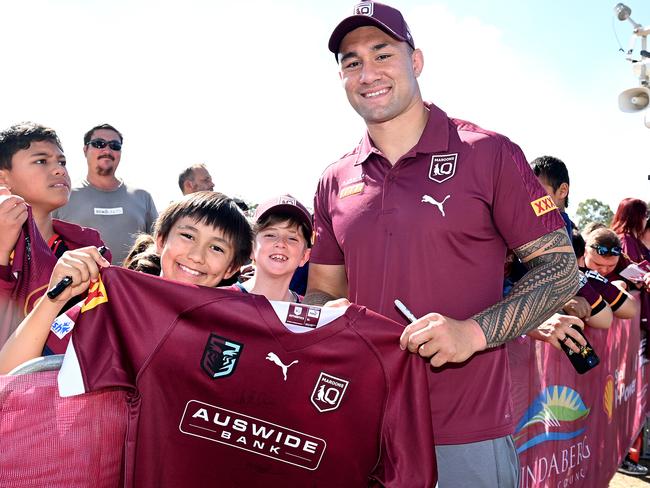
<point x="252" y="434"/>
<point x="96" y="295"/>
<point x="443" y="167"/>
<point x="543" y="205"/>
<point x="108" y="211"/>
<point x="220" y="356"/>
<point x="64" y="323"/>
<point x="328" y="392"/>
<point x="346" y="191"/>
<point x="303" y="315"/>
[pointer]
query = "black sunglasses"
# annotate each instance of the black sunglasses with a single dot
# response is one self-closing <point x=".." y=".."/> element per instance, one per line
<point x="606" y="251"/>
<point x="101" y="144"/>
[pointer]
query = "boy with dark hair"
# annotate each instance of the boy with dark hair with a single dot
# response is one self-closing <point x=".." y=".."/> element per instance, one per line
<point x="34" y="182"/>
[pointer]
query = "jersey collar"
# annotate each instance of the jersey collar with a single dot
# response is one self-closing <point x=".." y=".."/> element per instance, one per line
<point x="434" y="139"/>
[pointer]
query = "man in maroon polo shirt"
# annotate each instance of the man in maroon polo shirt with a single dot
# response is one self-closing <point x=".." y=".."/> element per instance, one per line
<point x="423" y="210"/>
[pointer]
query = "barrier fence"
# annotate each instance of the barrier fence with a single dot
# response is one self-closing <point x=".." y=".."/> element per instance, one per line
<point x="574" y="430"/>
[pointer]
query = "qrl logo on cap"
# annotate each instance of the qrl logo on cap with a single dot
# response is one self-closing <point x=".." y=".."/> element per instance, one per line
<point x="287" y="200"/>
<point x="443" y="167"/>
<point x="328" y="392"/>
<point x="364" y="8"/>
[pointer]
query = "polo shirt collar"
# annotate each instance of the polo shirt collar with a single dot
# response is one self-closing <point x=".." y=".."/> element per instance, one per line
<point x="434" y="139"/>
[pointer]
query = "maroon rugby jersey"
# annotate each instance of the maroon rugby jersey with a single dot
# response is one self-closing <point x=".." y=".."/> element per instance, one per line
<point x="222" y="393"/>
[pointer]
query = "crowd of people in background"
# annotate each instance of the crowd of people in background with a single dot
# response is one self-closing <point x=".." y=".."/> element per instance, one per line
<point x="386" y="225"/>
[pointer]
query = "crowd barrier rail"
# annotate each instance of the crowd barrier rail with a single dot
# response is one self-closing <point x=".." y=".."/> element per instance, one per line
<point x="46" y="440"/>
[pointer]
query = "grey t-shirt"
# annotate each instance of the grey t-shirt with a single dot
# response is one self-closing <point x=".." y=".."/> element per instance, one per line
<point x="118" y="215"/>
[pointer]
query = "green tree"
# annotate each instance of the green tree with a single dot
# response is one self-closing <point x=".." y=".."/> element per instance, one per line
<point x="593" y="210"/>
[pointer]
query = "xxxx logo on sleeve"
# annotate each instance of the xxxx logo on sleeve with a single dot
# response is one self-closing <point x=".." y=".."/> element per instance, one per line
<point x="543" y="205"/>
<point x="96" y="295"/>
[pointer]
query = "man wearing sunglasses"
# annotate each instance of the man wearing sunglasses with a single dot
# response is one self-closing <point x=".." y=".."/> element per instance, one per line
<point x="105" y="202"/>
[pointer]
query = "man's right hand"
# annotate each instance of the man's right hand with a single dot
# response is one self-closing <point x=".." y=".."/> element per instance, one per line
<point x="557" y="329"/>
<point x="13" y="214"/>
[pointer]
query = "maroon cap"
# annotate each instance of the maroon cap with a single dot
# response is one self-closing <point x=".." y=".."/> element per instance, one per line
<point x="386" y="18"/>
<point x="285" y="204"/>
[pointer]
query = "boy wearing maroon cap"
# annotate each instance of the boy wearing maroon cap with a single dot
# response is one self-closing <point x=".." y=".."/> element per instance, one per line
<point x="422" y="200"/>
<point x="282" y="241"/>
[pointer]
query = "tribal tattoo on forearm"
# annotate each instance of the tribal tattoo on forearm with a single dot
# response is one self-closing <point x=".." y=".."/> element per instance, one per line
<point x="551" y="280"/>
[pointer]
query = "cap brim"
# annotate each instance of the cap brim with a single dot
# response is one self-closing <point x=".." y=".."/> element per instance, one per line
<point x="354" y="22"/>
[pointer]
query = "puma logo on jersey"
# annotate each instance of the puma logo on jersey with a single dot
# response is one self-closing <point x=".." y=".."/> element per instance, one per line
<point x="433" y="201"/>
<point x="276" y="360"/>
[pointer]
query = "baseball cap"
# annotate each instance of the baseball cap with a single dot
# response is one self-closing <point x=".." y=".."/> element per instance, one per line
<point x="286" y="204"/>
<point x="386" y="18"/>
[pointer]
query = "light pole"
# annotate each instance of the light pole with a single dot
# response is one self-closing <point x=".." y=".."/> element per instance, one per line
<point x="638" y="98"/>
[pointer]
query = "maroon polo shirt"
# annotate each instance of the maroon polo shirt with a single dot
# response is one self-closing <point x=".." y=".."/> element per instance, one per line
<point x="433" y="231"/>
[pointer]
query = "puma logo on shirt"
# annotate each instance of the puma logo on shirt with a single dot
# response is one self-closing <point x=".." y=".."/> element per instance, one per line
<point x="433" y="201"/>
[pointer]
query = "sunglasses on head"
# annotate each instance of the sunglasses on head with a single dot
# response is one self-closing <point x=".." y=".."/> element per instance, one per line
<point x="606" y="251"/>
<point x="101" y="144"/>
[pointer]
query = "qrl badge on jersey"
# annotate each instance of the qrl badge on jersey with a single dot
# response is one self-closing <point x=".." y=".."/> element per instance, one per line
<point x="328" y="392"/>
<point x="220" y="356"/>
<point x="443" y="167"/>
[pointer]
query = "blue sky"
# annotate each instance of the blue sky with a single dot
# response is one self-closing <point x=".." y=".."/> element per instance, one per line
<point x="250" y="88"/>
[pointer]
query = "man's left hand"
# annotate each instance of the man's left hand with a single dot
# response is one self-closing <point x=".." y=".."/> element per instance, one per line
<point x="443" y="339"/>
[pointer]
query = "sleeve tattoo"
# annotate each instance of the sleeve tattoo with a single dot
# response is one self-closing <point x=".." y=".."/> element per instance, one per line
<point x="551" y="280"/>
